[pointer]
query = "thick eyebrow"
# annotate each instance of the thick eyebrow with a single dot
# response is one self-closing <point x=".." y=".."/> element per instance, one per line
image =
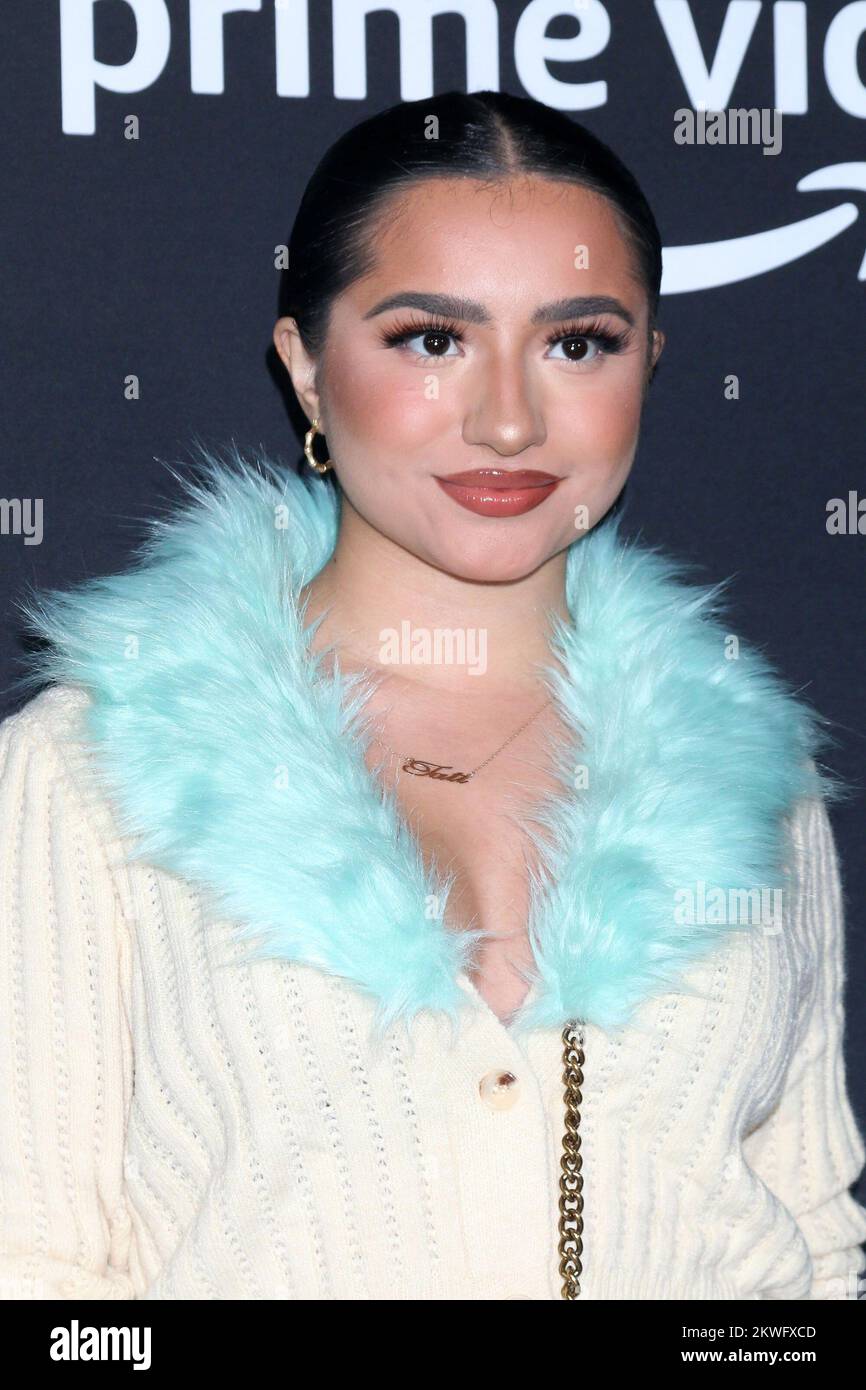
<point x="470" y="311"/>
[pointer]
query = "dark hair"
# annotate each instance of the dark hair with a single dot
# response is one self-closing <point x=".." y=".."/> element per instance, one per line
<point x="486" y="135"/>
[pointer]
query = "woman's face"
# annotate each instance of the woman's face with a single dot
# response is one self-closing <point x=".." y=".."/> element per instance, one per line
<point x="521" y="385"/>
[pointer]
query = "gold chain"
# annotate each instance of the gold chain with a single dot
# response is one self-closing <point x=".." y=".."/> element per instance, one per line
<point x="421" y="765"/>
<point x="571" y="1179"/>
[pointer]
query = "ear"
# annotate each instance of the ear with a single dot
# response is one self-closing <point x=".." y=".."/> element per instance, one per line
<point x="658" y="346"/>
<point x="300" y="366"/>
<point x="652" y="360"/>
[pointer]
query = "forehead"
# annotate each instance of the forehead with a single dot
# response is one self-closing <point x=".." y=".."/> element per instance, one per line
<point x="556" y="235"/>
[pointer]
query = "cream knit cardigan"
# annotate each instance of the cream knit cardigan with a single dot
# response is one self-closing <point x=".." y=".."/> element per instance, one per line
<point x="175" y="1130"/>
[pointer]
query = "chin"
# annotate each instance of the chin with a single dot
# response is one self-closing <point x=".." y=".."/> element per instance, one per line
<point x="493" y="563"/>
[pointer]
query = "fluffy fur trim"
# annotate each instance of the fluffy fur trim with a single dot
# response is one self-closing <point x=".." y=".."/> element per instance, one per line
<point x="234" y="761"/>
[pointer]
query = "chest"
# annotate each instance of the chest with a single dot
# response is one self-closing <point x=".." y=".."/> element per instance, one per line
<point x="482" y="835"/>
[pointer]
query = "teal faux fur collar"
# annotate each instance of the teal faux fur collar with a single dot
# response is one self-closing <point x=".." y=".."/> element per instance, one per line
<point x="237" y="763"/>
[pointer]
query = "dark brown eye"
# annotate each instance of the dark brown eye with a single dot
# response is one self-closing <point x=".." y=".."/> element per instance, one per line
<point x="577" y="339"/>
<point x="431" y="338"/>
<point x="425" y="339"/>
<point x="579" y="344"/>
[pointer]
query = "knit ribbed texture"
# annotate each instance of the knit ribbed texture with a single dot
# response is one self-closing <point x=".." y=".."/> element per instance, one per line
<point x="178" y="1125"/>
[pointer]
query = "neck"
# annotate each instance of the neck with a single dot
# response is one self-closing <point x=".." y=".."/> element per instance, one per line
<point x="373" y="588"/>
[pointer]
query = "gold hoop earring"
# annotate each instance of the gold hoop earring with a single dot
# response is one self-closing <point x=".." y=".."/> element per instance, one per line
<point x="308" y="449"/>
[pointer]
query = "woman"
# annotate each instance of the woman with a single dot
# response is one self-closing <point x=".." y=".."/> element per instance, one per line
<point x="407" y="896"/>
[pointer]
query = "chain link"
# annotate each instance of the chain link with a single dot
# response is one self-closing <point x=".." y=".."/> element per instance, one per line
<point x="571" y="1179"/>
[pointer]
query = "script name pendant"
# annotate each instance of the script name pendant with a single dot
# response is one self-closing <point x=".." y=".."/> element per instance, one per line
<point x="440" y="772"/>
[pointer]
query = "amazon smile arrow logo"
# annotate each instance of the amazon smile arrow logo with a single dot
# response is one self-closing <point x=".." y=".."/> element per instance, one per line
<point x="714" y="263"/>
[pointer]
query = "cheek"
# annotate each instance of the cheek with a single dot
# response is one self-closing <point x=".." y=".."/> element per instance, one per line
<point x="605" y="413"/>
<point x="371" y="403"/>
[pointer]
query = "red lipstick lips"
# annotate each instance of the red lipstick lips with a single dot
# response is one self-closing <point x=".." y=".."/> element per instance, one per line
<point x="499" y="491"/>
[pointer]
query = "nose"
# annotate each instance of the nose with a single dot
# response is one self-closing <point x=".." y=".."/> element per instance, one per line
<point x="505" y="413"/>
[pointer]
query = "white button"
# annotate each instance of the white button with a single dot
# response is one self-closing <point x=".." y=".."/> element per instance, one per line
<point x="499" y="1089"/>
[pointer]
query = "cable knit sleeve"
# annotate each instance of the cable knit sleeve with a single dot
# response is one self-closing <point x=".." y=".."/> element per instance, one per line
<point x="65" y="1051"/>
<point x="810" y="1150"/>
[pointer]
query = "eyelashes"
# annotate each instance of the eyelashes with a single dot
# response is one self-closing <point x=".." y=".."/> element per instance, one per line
<point x="607" y="341"/>
<point x="610" y="340"/>
<point x="410" y="328"/>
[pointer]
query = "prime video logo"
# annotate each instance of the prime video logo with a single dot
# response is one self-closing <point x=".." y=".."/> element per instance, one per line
<point x="707" y="77"/>
<point x="707" y="84"/>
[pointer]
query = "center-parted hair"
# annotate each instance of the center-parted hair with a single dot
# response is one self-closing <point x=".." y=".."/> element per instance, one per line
<point x="489" y="136"/>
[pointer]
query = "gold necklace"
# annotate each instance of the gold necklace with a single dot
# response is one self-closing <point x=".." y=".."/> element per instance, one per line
<point x="443" y="772"/>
